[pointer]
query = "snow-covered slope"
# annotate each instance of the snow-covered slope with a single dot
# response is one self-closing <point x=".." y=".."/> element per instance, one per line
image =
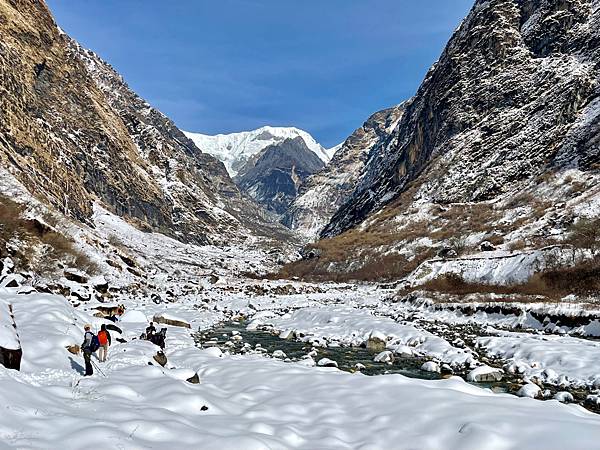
<point x="235" y="149"/>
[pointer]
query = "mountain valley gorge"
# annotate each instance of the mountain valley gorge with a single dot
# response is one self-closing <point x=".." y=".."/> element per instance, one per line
<point x="445" y="255"/>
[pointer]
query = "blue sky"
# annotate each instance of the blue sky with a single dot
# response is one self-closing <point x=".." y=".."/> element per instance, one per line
<point x="229" y="65"/>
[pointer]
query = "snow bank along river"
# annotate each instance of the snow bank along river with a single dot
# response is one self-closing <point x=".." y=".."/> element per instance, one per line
<point x="253" y="402"/>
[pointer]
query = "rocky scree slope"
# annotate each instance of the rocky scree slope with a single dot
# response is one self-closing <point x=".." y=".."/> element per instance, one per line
<point x="73" y="134"/>
<point x="274" y="176"/>
<point x="501" y="143"/>
<point x="326" y="191"/>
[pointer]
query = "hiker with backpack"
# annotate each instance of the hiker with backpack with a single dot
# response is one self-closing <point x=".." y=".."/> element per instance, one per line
<point x="150" y="330"/>
<point x="90" y="345"/>
<point x="105" y="342"/>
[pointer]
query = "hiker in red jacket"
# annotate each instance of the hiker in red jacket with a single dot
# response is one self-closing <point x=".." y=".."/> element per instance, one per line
<point x="104" y="339"/>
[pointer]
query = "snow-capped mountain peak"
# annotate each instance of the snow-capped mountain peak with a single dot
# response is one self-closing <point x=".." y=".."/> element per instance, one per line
<point x="235" y="149"/>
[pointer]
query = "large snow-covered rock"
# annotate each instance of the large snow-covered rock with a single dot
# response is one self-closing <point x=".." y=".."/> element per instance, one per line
<point x="485" y="374"/>
<point x="529" y="390"/>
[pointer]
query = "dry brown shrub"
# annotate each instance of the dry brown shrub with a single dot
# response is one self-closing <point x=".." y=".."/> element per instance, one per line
<point x="582" y="279"/>
<point x="520" y="200"/>
<point x="42" y="248"/>
<point x="517" y="245"/>
<point x="545" y="177"/>
<point x="496" y="239"/>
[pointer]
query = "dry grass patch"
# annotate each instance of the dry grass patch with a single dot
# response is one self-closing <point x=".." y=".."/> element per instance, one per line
<point x="583" y="279"/>
<point x="35" y="245"/>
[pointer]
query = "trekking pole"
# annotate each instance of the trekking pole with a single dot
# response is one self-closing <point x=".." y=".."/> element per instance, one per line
<point x="97" y="368"/>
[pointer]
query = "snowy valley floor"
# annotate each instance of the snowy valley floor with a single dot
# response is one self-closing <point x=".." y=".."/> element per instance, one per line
<point x="254" y="401"/>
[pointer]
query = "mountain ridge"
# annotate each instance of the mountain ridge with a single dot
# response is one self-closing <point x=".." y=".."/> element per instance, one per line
<point x="274" y="175"/>
<point x="235" y="149"/>
<point x="74" y="134"/>
<point x="327" y="190"/>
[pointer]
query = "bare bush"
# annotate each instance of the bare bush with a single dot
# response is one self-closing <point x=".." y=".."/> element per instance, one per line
<point x="556" y="282"/>
<point x="585" y="234"/>
<point x="42" y="249"/>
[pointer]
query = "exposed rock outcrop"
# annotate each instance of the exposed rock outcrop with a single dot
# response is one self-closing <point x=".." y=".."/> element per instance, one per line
<point x="327" y="190"/>
<point x="73" y="133"/>
<point x="514" y="95"/>
<point x="273" y="177"/>
<point x="236" y="149"/>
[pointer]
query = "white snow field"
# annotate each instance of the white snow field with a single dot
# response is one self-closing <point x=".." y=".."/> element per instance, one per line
<point x="253" y="402"/>
<point x="559" y="359"/>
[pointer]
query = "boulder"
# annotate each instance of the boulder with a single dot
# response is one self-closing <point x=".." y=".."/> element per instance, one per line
<point x="307" y="361"/>
<point x="134" y="316"/>
<point x="279" y="354"/>
<point x="385" y="357"/>
<point x="487" y="246"/>
<point x="160" y="358"/>
<point x="529" y="390"/>
<point x="404" y="350"/>
<point x="445" y="369"/>
<point x="168" y="319"/>
<point x="215" y="352"/>
<point x="10" y="281"/>
<point x="376" y="343"/>
<point x="564" y="397"/>
<point x="99" y="284"/>
<point x="446" y="252"/>
<point x="326" y="362"/>
<point x="483" y="374"/>
<point x="127" y="260"/>
<point x="431" y="366"/>
<point x="310" y="253"/>
<point x="75" y="275"/>
<point x="194" y="379"/>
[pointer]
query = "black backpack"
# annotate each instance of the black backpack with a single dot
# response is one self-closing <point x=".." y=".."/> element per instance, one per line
<point x="94" y="344"/>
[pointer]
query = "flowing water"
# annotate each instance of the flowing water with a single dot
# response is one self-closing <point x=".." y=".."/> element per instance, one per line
<point x="347" y="358"/>
<point x="236" y="339"/>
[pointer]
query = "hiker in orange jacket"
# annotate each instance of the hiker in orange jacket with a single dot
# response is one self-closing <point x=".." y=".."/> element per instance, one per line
<point x="104" y="339"/>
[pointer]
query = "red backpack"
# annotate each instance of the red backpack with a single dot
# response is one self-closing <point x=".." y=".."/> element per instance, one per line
<point x="102" y="337"/>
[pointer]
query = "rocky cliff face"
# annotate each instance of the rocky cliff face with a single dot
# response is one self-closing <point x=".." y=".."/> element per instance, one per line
<point x="514" y="95"/>
<point x="74" y="134"/>
<point x="498" y="151"/>
<point x="327" y="190"/>
<point x="274" y="176"/>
